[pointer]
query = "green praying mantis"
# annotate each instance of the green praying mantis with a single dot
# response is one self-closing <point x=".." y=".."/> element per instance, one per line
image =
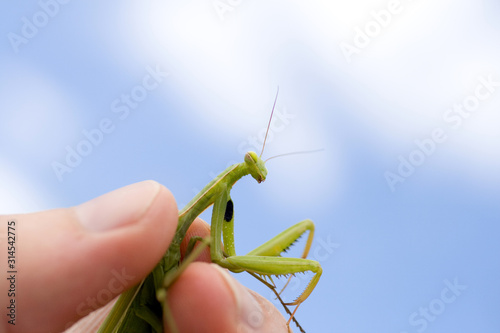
<point x="143" y="308"/>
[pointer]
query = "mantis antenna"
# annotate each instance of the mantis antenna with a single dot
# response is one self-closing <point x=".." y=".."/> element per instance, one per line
<point x="295" y="153"/>
<point x="269" y="124"/>
<point x="267" y="132"/>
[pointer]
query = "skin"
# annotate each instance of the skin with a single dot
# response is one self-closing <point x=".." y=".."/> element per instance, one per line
<point x="68" y="260"/>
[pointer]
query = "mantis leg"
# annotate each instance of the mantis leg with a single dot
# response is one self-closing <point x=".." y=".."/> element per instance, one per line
<point x="281" y="242"/>
<point x="171" y="276"/>
<point x="265" y="260"/>
<point x="279" y="266"/>
<point x="284" y="240"/>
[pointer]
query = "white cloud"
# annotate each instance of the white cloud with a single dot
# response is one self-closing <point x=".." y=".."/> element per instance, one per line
<point x="17" y="194"/>
<point x="422" y="62"/>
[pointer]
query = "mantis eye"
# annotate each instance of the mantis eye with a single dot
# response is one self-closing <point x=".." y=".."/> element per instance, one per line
<point x="256" y="166"/>
<point x="251" y="157"/>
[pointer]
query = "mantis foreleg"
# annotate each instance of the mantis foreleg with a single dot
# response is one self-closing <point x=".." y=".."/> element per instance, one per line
<point x="265" y="260"/>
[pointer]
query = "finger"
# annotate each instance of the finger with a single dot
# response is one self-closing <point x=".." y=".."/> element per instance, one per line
<point x="198" y="228"/>
<point x="206" y="298"/>
<point x="76" y="260"/>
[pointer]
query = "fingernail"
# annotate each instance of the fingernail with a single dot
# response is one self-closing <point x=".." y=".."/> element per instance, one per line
<point x="118" y="208"/>
<point x="248" y="308"/>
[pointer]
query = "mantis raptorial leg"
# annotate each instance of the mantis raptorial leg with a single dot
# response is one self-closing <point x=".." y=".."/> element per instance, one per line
<point x="140" y="308"/>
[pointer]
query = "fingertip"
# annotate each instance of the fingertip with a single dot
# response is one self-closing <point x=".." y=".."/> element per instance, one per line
<point x="206" y="298"/>
<point x="254" y="312"/>
<point x="198" y="228"/>
<point x="200" y="301"/>
<point x="118" y="208"/>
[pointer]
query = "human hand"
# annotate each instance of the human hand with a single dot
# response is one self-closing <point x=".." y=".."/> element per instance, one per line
<point x="75" y="260"/>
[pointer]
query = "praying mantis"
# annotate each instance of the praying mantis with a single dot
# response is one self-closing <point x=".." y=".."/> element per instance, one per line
<point x="143" y="307"/>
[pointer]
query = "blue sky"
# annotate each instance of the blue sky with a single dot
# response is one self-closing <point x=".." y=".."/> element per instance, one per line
<point x="403" y="96"/>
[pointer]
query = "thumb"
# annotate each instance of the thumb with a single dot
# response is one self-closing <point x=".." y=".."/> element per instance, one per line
<point x="72" y="261"/>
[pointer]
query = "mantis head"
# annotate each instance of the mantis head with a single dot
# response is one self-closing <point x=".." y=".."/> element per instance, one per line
<point x="256" y="166"/>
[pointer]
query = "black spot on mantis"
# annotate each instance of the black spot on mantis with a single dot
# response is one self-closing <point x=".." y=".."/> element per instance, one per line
<point x="228" y="214"/>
